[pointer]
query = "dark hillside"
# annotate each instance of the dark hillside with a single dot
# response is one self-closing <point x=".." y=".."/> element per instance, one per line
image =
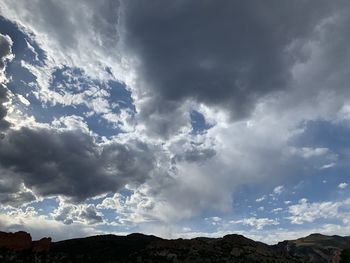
<point x="315" y="248"/>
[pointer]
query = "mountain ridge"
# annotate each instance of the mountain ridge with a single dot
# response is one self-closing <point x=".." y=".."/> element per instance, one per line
<point x="138" y="247"/>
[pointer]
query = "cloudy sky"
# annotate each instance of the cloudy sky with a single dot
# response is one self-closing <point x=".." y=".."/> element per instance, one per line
<point x="176" y="118"/>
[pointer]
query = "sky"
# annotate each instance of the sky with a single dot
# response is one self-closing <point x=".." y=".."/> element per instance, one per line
<point x="176" y="118"/>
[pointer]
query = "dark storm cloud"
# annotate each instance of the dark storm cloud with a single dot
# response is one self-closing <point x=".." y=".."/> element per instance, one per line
<point x="222" y="53"/>
<point x="16" y="199"/>
<point x="69" y="163"/>
<point x="5" y="52"/>
<point x="12" y="192"/>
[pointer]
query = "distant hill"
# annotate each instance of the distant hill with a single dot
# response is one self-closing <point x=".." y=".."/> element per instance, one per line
<point x="315" y="248"/>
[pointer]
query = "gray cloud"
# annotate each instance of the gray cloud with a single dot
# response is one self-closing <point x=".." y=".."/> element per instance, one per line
<point x="197" y="155"/>
<point x="5" y="53"/>
<point x="12" y="192"/>
<point x="5" y="50"/>
<point x="69" y="163"/>
<point x="83" y="34"/>
<point x="163" y="119"/>
<point x="190" y="151"/>
<point x="3" y="111"/>
<point x="221" y="53"/>
<point x="64" y="214"/>
<point x="65" y="31"/>
<point x="68" y="214"/>
<point x="91" y="215"/>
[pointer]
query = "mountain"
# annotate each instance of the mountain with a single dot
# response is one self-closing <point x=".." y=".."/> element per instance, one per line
<point x="315" y="248"/>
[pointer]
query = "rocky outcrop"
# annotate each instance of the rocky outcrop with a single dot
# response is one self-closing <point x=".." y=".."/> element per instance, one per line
<point x="23" y="241"/>
<point x="315" y="248"/>
<point x="16" y="241"/>
<point x="41" y="245"/>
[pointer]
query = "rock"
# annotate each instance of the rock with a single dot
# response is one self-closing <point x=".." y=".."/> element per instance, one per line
<point x="23" y="241"/>
<point x="16" y="241"/>
<point x="42" y="245"/>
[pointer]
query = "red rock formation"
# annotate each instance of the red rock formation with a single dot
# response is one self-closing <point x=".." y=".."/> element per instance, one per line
<point x="22" y="240"/>
<point x="42" y="245"/>
<point x="16" y="241"/>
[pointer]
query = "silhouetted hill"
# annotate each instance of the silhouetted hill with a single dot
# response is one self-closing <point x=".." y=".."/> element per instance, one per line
<point x="110" y="246"/>
<point x="143" y="248"/>
<point x="315" y="248"/>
